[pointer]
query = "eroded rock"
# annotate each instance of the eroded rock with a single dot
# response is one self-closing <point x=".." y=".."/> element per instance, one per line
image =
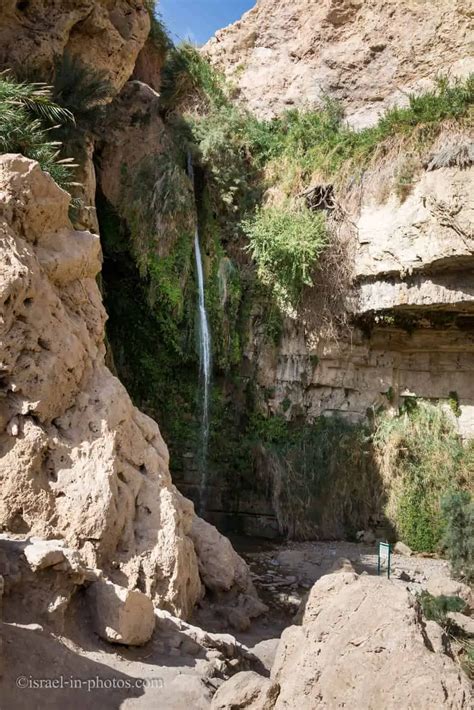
<point x="121" y="615"/>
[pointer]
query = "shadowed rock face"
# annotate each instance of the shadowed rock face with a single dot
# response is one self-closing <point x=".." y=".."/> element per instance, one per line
<point x="289" y="53"/>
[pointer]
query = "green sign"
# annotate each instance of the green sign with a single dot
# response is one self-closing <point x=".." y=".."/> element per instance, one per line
<point x="384" y="558"/>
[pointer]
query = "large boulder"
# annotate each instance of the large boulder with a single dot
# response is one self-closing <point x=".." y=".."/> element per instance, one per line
<point x="121" y="615"/>
<point x="220" y="566"/>
<point x="362" y="644"/>
<point x="245" y="690"/>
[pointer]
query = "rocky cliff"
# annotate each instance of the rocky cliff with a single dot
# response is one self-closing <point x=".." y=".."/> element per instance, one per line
<point x="78" y="461"/>
<point x="292" y="54"/>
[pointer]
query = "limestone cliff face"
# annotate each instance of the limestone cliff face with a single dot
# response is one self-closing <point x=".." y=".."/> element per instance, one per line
<point x="107" y="36"/>
<point x="286" y="53"/>
<point x="411" y="305"/>
<point x="77" y="460"/>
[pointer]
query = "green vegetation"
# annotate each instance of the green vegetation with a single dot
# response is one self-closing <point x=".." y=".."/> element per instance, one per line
<point x="27" y="114"/>
<point x="83" y="92"/>
<point x="458" y="536"/>
<point x="308" y="464"/>
<point x="436" y="608"/>
<point x="284" y="243"/>
<point x="421" y="458"/>
<point x="158" y="35"/>
<point x="319" y="143"/>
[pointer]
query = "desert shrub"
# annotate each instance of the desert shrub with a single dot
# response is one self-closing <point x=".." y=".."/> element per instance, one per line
<point x="421" y="457"/>
<point x="300" y="144"/>
<point x="458" y="537"/>
<point x="437" y="608"/>
<point x="285" y="243"/>
<point x="189" y="82"/>
<point x="27" y="113"/>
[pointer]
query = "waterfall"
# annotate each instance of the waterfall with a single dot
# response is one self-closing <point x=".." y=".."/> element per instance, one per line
<point x="204" y="361"/>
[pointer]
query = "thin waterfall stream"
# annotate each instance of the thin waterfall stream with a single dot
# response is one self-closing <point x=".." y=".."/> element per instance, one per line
<point x="204" y="362"/>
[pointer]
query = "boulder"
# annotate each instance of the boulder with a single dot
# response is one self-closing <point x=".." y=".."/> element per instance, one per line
<point x="246" y="690"/>
<point x="220" y="567"/>
<point x="44" y="553"/>
<point x="401" y="549"/>
<point x="121" y="615"/>
<point x="441" y="585"/>
<point x="362" y="644"/>
<point x="463" y="622"/>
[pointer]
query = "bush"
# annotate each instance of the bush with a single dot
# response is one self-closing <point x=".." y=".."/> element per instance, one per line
<point x="285" y="243"/>
<point x="437" y="608"/>
<point x="189" y="83"/>
<point x="84" y="92"/>
<point x="158" y="34"/>
<point x="421" y="457"/>
<point x="458" y="538"/>
<point x="27" y="113"/>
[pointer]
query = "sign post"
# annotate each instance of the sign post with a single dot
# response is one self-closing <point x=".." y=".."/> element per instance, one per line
<point x="384" y="558"/>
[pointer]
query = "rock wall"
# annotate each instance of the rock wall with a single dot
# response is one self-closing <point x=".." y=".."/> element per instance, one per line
<point x="106" y="36"/>
<point x="77" y="459"/>
<point x="287" y="53"/>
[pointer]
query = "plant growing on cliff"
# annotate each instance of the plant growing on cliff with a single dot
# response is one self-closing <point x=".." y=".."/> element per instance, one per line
<point x="158" y="34"/>
<point x="285" y="243"/>
<point x="189" y="83"/>
<point x="27" y="113"/>
<point x="84" y="92"/>
<point x="421" y="457"/>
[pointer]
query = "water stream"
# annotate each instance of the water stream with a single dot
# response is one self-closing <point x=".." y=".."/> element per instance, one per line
<point x="204" y="363"/>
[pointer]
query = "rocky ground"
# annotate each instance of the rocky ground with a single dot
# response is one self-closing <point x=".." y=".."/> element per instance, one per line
<point x="185" y="663"/>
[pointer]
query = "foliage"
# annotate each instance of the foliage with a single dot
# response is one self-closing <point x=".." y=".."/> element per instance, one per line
<point x="308" y="464"/>
<point x="27" y="113"/>
<point x="158" y="34"/>
<point x="437" y="608"/>
<point x="189" y="82"/>
<point x="285" y="243"/>
<point x="84" y="92"/>
<point x="421" y="457"/>
<point x="458" y="538"/>
<point x="309" y="142"/>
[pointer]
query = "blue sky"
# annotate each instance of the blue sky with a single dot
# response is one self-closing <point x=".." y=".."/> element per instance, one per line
<point x="197" y="20"/>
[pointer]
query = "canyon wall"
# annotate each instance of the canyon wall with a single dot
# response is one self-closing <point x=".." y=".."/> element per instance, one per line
<point x="78" y="461"/>
<point x="367" y="55"/>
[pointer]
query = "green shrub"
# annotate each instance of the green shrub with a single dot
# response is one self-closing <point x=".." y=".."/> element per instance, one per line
<point x="158" y="34"/>
<point x="458" y="538"/>
<point x="437" y="608"/>
<point x="421" y="457"/>
<point x="27" y="113"/>
<point x="189" y="82"/>
<point x="84" y="92"/>
<point x="285" y="243"/>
